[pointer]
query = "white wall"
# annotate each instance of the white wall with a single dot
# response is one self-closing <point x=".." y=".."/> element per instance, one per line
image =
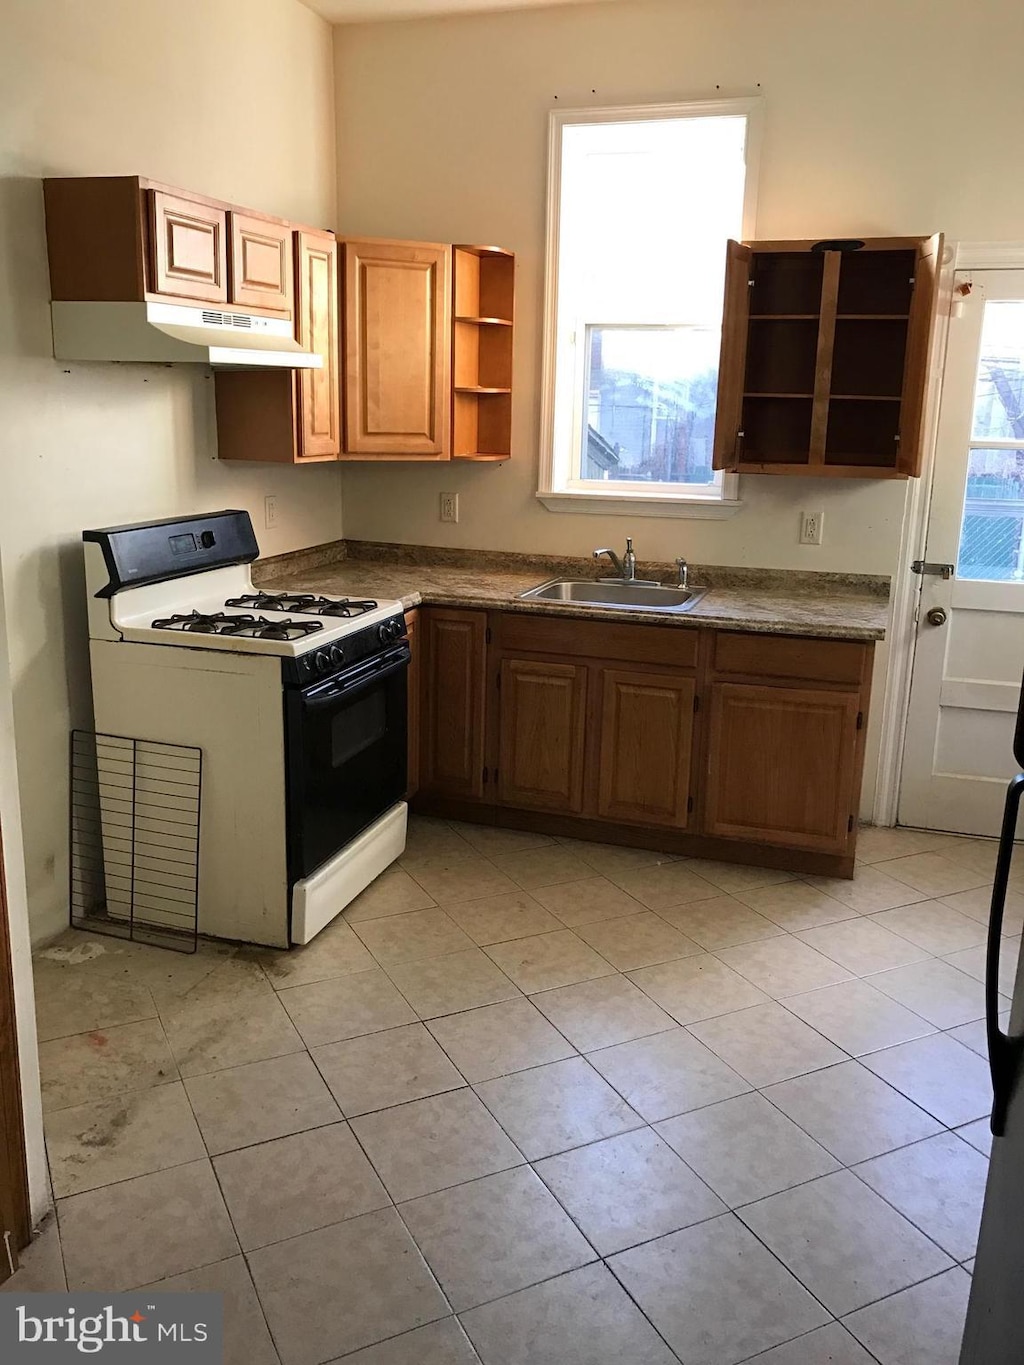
<point x="884" y="117"/>
<point x="229" y="97"/>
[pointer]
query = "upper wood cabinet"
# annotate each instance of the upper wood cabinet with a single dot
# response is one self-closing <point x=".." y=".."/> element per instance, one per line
<point x="647" y="719"/>
<point x="397" y="349"/>
<point x="126" y="239"/>
<point x="453" y="663"/>
<point x="824" y="357"/>
<point x="483" y="306"/>
<point x="262" y="266"/>
<point x="290" y="416"/>
<point x="541" y="733"/>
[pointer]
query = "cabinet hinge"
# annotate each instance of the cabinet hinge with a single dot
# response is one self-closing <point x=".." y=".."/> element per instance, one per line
<point x="860" y="720"/>
<point x="487" y="636"/>
<point x="497" y="680"/>
<point x="849" y="825"/>
<point x="696" y="702"/>
<point x="689" y="804"/>
<point x="485" y="777"/>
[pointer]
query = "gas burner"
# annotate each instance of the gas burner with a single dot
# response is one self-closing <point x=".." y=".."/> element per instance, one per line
<point x="306" y="602"/>
<point x="250" y="627"/>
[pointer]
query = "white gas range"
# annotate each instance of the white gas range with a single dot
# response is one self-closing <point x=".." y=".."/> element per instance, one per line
<point x="298" y="703"/>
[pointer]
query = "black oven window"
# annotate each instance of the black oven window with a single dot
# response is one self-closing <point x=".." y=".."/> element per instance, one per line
<point x="358" y="726"/>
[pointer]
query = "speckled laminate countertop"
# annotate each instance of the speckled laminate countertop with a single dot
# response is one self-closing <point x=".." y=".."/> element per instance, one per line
<point x="770" y="602"/>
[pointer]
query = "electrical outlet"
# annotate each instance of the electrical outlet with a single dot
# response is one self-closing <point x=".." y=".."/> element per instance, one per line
<point x="270" y="512"/>
<point x="811" y="527"/>
<point x="449" y="506"/>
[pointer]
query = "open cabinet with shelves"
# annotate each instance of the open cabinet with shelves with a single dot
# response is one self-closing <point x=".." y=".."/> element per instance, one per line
<point x="824" y="357"/>
<point x="482" y="339"/>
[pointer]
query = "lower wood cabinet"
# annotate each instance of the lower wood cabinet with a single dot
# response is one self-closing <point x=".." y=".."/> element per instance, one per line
<point x="453" y="660"/>
<point x="782" y="766"/>
<point x="542" y="715"/>
<point x="723" y="744"/>
<point x="646" y="746"/>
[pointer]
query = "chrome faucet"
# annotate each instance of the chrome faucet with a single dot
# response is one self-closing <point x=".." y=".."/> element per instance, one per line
<point x="625" y="568"/>
<point x="683" y="570"/>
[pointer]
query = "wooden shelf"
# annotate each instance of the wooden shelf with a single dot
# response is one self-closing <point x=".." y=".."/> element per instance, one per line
<point x="828" y="471"/>
<point x="867" y="397"/>
<point x="764" y="393"/>
<point x="872" y="317"/>
<point x="480" y="388"/>
<point x="483" y="308"/>
<point x="484" y="322"/>
<point x="784" y="317"/>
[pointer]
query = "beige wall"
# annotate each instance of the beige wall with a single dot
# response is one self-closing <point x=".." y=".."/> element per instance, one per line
<point x="230" y="97"/>
<point x="880" y="117"/>
<point x="884" y="117"/>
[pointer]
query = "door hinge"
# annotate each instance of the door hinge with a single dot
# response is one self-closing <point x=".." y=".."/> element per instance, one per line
<point x="860" y="720"/>
<point x="849" y="825"/>
<point x="926" y="566"/>
<point x="487" y="636"/>
<point x="696" y="703"/>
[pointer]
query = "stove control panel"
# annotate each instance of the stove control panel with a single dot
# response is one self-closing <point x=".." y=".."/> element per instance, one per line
<point x="324" y="660"/>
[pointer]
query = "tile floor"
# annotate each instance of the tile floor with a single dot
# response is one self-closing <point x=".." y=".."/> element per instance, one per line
<point x="541" y="1102"/>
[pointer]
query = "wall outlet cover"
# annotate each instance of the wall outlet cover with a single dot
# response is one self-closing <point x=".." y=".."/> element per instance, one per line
<point x="270" y="512"/>
<point x="449" y="506"/>
<point x="811" y="527"/>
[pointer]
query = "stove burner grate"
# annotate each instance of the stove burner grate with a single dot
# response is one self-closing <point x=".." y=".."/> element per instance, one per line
<point x="306" y="602"/>
<point x="248" y="627"/>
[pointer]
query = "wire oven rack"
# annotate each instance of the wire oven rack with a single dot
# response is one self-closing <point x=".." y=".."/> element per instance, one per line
<point x="134" y="838"/>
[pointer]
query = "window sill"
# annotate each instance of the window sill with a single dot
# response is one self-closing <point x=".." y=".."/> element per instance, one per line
<point x="640" y="505"/>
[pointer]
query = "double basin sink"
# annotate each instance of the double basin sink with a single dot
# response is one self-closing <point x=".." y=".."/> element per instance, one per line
<point x="627" y="595"/>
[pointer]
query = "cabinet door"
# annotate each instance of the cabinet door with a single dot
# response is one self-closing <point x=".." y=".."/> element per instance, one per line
<point x="397" y="345"/>
<point x="541" y="728"/>
<point x="14" y="1213"/>
<point x="262" y="264"/>
<point x="415" y="684"/>
<point x="189" y="248"/>
<point x="646" y="745"/>
<point x="782" y="765"/>
<point x="732" y="357"/>
<point x="920" y="331"/>
<point x="454" y="663"/>
<point x="319" y="417"/>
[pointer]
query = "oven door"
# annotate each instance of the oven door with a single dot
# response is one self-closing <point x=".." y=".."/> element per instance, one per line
<point x="346" y="756"/>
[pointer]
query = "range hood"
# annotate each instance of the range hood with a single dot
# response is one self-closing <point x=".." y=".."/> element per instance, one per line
<point x="165" y="333"/>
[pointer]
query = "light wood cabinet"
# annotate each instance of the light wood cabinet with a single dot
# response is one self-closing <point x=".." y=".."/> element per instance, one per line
<point x="262" y="268"/>
<point x="290" y="416"/>
<point x="824" y="358"/>
<point x="397" y="349"/>
<point x="647" y="719"/>
<point x="453" y="649"/>
<point x="188" y="242"/>
<point x="541" y="732"/>
<point x="483" y="306"/>
<point x="712" y="743"/>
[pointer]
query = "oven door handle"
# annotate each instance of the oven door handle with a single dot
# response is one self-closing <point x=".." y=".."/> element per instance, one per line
<point x="358" y="679"/>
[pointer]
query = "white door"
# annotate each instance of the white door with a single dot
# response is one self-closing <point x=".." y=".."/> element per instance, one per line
<point x="970" y="627"/>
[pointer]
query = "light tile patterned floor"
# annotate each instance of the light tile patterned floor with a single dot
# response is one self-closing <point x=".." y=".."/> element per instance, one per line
<point x="535" y="1102"/>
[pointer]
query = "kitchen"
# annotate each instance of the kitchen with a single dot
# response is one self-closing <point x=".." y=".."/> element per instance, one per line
<point x="364" y="128"/>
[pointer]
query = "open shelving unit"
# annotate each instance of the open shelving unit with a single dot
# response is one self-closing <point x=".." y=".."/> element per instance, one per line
<point x="824" y="357"/>
<point x="482" y="338"/>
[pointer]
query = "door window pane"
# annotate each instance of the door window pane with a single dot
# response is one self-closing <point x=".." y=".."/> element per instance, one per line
<point x="991" y="538"/>
<point x="651" y="404"/>
<point x="999" y="392"/>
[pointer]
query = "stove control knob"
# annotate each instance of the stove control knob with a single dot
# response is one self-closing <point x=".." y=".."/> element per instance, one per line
<point x="322" y="660"/>
<point x="382" y="633"/>
<point x="337" y="656"/>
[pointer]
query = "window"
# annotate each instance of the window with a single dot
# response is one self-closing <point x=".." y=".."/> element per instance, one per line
<point x="641" y="205"/>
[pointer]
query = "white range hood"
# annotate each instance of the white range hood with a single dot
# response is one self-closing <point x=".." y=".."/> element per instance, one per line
<point x="166" y="333"/>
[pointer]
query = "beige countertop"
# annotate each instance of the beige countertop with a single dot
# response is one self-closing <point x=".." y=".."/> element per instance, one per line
<point x="772" y="602"/>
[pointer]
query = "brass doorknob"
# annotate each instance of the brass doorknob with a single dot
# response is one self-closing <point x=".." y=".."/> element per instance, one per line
<point x="936" y="616"/>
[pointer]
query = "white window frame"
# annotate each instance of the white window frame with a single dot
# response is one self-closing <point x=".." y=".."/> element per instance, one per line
<point x="555" y="490"/>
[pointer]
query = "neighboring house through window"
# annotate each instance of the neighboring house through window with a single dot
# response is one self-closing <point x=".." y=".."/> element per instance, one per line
<point x="641" y="204"/>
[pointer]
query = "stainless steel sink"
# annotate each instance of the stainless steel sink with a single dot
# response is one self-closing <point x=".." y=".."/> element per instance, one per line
<point x="624" y="595"/>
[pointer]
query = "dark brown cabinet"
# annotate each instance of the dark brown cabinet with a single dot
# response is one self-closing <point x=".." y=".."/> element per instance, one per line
<point x="541" y="730"/>
<point x="453" y="653"/>
<point x="15" y="1225"/>
<point x="720" y="744"/>
<point x="647" y="719"/>
<point x="824" y="358"/>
